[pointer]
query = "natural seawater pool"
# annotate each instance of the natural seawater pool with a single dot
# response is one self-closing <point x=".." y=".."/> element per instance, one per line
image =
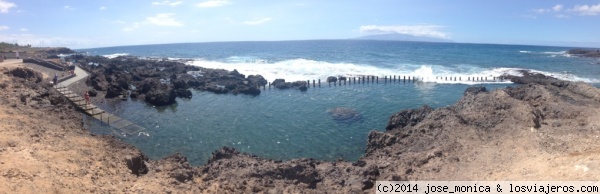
<point x="278" y="124"/>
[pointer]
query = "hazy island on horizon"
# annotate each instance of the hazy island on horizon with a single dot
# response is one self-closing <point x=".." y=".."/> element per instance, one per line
<point x="402" y="37"/>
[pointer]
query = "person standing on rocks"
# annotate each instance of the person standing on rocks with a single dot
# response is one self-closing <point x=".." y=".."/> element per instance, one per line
<point x="87" y="97"/>
<point x="55" y="79"/>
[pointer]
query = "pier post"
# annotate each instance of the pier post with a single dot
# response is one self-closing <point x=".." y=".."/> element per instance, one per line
<point x="269" y="85"/>
<point x="344" y="82"/>
<point x="485" y="78"/>
<point x="313" y="83"/>
<point x="377" y="79"/>
<point x="446" y="78"/>
<point x="319" y="83"/>
<point x="459" y="78"/>
<point x="385" y="79"/>
<point x="468" y="78"/>
<point x="404" y="79"/>
<point x="308" y="83"/>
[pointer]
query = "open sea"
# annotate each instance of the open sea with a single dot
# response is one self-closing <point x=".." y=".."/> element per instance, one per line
<point x="288" y="124"/>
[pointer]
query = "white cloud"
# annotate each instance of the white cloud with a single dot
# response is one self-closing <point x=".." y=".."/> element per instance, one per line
<point x="164" y="19"/>
<point x="213" y="3"/>
<point x="102" y="8"/>
<point x="586" y="9"/>
<point x="119" y="22"/>
<point x="5" y="6"/>
<point x="415" y="30"/>
<point x="257" y="22"/>
<point x="540" y="11"/>
<point x="4" y="27"/>
<point x="24" y="29"/>
<point x="68" y="7"/>
<point x="169" y="3"/>
<point x="135" y="25"/>
<point x="557" y="7"/>
<point x="53" y="41"/>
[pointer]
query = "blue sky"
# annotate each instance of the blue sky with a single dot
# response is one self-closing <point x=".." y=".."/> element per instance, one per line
<point x="101" y="23"/>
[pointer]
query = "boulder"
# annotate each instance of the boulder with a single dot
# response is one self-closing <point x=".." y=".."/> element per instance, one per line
<point x="281" y="84"/>
<point x="331" y="79"/>
<point x="237" y="74"/>
<point x="161" y="96"/>
<point x="183" y="93"/>
<point x="473" y="90"/>
<point x="409" y="117"/>
<point x="217" y="89"/>
<point x="114" y="90"/>
<point x="302" y="85"/>
<point x="256" y="80"/>
<point x="246" y="89"/>
<point x="98" y="81"/>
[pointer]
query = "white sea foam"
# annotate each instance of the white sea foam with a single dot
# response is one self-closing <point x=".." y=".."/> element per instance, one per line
<point x="111" y="56"/>
<point x="549" y="53"/>
<point x="304" y="69"/>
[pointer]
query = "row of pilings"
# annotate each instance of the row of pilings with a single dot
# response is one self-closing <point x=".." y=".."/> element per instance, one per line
<point x="341" y="80"/>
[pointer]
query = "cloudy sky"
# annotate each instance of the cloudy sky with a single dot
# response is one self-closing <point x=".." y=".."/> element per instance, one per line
<point x="101" y="23"/>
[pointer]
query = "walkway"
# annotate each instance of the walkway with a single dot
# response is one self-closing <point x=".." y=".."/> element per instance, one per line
<point x="79" y="75"/>
<point x="123" y="125"/>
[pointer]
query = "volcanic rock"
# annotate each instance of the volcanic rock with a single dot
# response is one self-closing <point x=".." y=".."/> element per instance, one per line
<point x="346" y="115"/>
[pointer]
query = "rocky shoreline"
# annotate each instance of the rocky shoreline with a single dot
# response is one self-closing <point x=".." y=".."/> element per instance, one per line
<point x="160" y="81"/>
<point x="592" y="53"/>
<point x="539" y="130"/>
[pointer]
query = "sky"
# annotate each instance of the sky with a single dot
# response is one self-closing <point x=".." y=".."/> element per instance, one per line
<point x="103" y="23"/>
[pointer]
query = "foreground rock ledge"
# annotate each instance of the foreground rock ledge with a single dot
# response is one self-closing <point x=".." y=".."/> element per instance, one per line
<point x="545" y="129"/>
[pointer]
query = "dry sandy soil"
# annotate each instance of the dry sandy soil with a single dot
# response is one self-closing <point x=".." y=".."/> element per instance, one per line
<point x="543" y="130"/>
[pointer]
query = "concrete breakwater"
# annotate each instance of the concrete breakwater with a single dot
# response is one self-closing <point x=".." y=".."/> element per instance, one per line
<point x="341" y="80"/>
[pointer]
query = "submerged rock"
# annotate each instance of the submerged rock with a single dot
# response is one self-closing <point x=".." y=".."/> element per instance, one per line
<point x="342" y="114"/>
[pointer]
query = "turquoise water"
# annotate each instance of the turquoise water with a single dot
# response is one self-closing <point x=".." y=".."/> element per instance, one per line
<point x="287" y="124"/>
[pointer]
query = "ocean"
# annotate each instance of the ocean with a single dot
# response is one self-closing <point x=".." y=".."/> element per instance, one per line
<point x="288" y="124"/>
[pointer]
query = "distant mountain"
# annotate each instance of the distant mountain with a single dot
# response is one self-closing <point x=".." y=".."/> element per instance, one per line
<point x="401" y="37"/>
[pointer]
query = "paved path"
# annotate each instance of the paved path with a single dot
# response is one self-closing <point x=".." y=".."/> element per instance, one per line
<point x="79" y="75"/>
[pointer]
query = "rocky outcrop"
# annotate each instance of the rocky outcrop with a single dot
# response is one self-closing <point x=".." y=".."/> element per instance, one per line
<point x="408" y="118"/>
<point x="585" y="52"/>
<point x="115" y="76"/>
<point x="156" y="93"/>
<point x="282" y="84"/>
<point x="332" y="79"/>
<point x="26" y="74"/>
